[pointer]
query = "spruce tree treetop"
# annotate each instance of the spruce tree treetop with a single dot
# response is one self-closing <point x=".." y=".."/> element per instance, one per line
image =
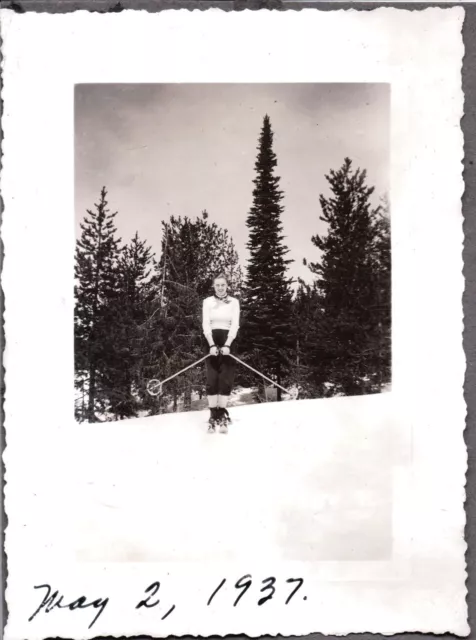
<point x="267" y="265"/>
<point x="267" y="329"/>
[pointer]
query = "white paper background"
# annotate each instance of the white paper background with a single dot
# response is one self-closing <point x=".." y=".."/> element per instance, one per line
<point x="47" y="455"/>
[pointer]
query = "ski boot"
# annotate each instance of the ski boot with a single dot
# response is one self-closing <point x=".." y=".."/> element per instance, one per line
<point x="213" y="420"/>
<point x="223" y="420"/>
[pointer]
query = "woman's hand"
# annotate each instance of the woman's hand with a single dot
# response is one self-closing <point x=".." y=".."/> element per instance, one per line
<point x="214" y="351"/>
<point x="225" y="350"/>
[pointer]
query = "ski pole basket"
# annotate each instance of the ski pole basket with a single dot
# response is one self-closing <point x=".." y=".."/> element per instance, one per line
<point x="154" y="387"/>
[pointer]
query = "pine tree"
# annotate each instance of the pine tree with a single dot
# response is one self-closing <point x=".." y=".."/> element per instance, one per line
<point x="135" y="293"/>
<point x="381" y="354"/>
<point x="349" y="273"/>
<point x="193" y="252"/>
<point x="97" y="252"/>
<point x="307" y="318"/>
<point x="267" y="325"/>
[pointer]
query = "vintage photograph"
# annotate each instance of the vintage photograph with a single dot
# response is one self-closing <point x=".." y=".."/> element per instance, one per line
<point x="240" y="278"/>
<point x="233" y="247"/>
<point x="233" y="276"/>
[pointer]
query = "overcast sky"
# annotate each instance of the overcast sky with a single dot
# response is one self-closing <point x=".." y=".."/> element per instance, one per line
<point x="178" y="149"/>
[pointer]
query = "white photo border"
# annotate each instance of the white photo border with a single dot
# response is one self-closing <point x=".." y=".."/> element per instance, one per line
<point x="45" y="55"/>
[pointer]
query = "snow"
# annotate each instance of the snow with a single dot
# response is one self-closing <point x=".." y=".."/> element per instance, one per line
<point x="307" y="479"/>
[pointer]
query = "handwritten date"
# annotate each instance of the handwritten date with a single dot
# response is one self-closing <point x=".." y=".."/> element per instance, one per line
<point x="54" y="600"/>
<point x="245" y="582"/>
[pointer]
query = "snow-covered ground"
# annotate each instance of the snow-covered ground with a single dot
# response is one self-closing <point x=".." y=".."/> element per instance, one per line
<point x="300" y="480"/>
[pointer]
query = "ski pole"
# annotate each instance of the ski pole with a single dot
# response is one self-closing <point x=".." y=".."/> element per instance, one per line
<point x="154" y="387"/>
<point x="293" y="394"/>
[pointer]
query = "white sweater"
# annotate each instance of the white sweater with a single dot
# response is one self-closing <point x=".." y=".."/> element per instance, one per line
<point x="221" y="315"/>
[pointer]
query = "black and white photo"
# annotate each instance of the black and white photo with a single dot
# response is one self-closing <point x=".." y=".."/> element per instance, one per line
<point x="233" y="283"/>
<point x="272" y="197"/>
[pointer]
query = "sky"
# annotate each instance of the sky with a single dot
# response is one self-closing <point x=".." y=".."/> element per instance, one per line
<point x="177" y="149"/>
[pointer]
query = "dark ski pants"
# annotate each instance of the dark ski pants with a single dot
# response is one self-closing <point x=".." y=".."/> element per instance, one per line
<point x="220" y="369"/>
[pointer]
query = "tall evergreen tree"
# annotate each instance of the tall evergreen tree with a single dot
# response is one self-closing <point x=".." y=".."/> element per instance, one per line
<point x="135" y="293"/>
<point x="267" y="325"/>
<point x="349" y="280"/>
<point x="381" y="353"/>
<point x="97" y="252"/>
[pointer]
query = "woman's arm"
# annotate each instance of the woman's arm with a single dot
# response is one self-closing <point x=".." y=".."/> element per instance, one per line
<point x="207" y="328"/>
<point x="235" y="322"/>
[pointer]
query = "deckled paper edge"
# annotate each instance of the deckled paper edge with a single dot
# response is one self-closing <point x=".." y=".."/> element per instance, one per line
<point x="247" y="10"/>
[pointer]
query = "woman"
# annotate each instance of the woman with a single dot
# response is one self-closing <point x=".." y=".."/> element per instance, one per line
<point x="221" y="321"/>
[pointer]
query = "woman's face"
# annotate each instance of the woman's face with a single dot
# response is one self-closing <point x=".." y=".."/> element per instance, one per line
<point x="220" y="287"/>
